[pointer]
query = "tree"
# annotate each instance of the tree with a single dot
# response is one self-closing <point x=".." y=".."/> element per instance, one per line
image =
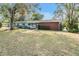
<point x="4" y="14"/>
<point x="11" y="9"/>
<point x="70" y="11"/>
<point x="37" y="16"/>
<point x="72" y="17"/>
<point x="8" y="12"/>
<point x="26" y="9"/>
<point x="58" y="14"/>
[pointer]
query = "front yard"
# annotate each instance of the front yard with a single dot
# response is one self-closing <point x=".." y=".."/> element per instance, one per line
<point x="25" y="42"/>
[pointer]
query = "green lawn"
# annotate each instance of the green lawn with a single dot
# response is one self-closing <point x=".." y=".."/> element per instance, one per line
<point x="38" y="43"/>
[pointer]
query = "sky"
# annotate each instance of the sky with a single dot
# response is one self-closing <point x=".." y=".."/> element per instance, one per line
<point x="47" y="9"/>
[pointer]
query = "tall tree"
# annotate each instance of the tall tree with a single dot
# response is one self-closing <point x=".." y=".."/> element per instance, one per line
<point x="70" y="11"/>
<point x="72" y="17"/>
<point x="12" y="9"/>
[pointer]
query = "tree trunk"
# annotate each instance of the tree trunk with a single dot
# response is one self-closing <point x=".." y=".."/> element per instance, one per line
<point x="11" y="20"/>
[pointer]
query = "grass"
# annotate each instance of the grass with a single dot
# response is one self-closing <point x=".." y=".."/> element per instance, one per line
<point x="38" y="43"/>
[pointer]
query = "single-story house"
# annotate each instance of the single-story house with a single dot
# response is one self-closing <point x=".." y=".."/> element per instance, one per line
<point x="49" y="25"/>
<point x="44" y="24"/>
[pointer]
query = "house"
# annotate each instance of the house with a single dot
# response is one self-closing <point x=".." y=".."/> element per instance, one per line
<point x="44" y="24"/>
<point x="50" y="25"/>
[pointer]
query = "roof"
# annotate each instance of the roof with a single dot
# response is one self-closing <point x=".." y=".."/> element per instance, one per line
<point x="38" y="21"/>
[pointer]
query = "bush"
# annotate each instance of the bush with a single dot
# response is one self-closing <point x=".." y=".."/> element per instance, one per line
<point x="0" y="24"/>
<point x="63" y="24"/>
<point x="72" y="27"/>
<point x="73" y="30"/>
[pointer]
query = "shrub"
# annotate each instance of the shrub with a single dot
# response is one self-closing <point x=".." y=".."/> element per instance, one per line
<point x="0" y="24"/>
<point x="72" y="26"/>
<point x="63" y="24"/>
